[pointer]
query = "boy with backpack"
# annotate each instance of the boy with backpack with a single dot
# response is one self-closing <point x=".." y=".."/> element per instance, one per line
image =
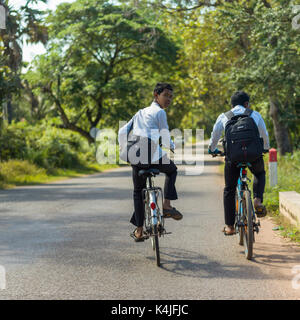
<point x="246" y="138"/>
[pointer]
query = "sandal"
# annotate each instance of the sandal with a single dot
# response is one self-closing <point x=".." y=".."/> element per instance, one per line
<point x="172" y="213"/>
<point x="136" y="239"/>
<point x="261" y="211"/>
<point x="226" y="231"/>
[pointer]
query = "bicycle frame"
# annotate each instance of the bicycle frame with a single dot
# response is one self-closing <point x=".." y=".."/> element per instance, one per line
<point x="151" y="195"/>
<point x="242" y="186"/>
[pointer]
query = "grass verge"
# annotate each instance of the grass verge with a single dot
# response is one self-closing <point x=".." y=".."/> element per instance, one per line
<point x="19" y="173"/>
<point x="288" y="180"/>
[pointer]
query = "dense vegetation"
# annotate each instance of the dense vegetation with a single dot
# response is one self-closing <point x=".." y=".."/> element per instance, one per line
<point x="103" y="59"/>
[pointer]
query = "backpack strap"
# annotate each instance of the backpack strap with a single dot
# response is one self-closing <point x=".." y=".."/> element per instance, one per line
<point x="248" y="112"/>
<point x="130" y="128"/>
<point x="229" y="114"/>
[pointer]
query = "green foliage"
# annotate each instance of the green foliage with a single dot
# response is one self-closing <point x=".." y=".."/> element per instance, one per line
<point x="267" y="55"/>
<point x="25" y="22"/>
<point x="203" y="71"/>
<point x="101" y="64"/>
<point x="103" y="59"/>
<point x="248" y="45"/>
<point x="44" y="145"/>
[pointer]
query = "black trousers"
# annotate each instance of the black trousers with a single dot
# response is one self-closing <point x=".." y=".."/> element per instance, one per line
<point x="231" y="173"/>
<point x="139" y="184"/>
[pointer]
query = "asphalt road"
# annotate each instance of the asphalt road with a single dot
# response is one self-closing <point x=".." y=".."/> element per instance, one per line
<point x="70" y="240"/>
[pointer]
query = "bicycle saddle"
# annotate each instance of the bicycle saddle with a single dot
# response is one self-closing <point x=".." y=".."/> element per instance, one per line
<point x="149" y="172"/>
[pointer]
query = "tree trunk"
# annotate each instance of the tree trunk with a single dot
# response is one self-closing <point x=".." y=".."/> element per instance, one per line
<point x="281" y="131"/>
<point x="9" y="110"/>
<point x="66" y="123"/>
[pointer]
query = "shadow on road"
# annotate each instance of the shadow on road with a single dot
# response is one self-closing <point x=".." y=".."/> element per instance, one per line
<point x="264" y="255"/>
<point x="192" y="264"/>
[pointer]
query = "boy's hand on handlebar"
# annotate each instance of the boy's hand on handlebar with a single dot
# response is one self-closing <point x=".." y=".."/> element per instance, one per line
<point x="215" y="152"/>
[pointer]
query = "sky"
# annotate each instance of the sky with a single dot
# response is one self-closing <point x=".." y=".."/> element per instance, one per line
<point x="29" y="51"/>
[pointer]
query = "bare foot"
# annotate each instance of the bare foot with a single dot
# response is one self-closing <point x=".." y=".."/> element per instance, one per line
<point x="229" y="230"/>
<point x="257" y="202"/>
<point x="139" y="232"/>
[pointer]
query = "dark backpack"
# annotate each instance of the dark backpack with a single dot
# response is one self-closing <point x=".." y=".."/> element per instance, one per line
<point x="134" y="146"/>
<point x="242" y="141"/>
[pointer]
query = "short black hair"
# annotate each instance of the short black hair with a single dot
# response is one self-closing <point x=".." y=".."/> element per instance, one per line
<point x="239" y="98"/>
<point x="161" y="86"/>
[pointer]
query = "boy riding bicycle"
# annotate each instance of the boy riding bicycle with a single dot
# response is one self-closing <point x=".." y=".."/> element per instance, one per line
<point x="147" y="124"/>
<point x="240" y="106"/>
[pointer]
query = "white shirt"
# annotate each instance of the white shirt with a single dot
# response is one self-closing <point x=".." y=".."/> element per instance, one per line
<point x="220" y="124"/>
<point x="150" y="122"/>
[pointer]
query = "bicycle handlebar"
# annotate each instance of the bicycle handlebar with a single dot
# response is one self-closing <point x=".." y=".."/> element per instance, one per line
<point x="222" y="154"/>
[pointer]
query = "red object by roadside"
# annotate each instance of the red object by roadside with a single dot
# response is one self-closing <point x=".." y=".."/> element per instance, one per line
<point x="272" y="155"/>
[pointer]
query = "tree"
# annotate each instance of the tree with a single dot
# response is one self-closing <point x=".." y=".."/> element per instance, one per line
<point x="234" y="45"/>
<point x="101" y="58"/>
<point x="268" y="59"/>
<point x="25" y="23"/>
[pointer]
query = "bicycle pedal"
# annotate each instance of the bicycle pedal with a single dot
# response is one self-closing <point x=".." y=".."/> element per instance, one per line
<point x="164" y="233"/>
<point x="256" y="228"/>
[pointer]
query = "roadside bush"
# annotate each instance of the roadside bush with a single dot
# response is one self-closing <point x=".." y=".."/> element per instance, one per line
<point x="13" y="144"/>
<point x="44" y="145"/>
<point x="19" y="171"/>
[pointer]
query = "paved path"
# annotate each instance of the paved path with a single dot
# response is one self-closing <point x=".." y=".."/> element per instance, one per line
<point x="70" y="240"/>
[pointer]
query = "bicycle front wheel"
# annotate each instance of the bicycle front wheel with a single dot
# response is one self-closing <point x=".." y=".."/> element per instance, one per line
<point x="248" y="228"/>
<point x="156" y="245"/>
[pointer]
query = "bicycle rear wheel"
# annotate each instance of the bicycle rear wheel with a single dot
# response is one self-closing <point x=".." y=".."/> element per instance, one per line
<point x="156" y="245"/>
<point x="248" y="229"/>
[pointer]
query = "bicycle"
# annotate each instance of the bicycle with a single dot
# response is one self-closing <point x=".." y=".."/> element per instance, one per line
<point x="245" y="219"/>
<point x="153" y="220"/>
<point x="246" y="223"/>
